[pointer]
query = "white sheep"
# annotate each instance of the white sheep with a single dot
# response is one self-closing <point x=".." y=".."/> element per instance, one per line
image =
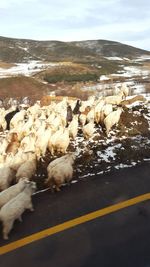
<point x="115" y="99"/>
<point x="98" y="111"/>
<point x="3" y="144"/>
<point x="51" y="117"/>
<point x="27" y="169"/>
<point x="18" y="128"/>
<point x="90" y="115"/>
<point x="112" y="119"/>
<point x="60" y="172"/>
<point x="53" y="138"/>
<point x="26" y="128"/>
<point x="62" y="105"/>
<point x="88" y="129"/>
<point x="59" y="141"/>
<point x="3" y="123"/>
<point x="19" y="116"/>
<point x="89" y="102"/>
<point x="60" y="160"/>
<point x="12" y="191"/>
<point x="16" y="161"/>
<point x="57" y="122"/>
<point x="107" y="109"/>
<point x="62" y="141"/>
<point x="42" y="115"/>
<point x="28" y="142"/>
<point x="2" y="160"/>
<point x="82" y="119"/>
<point x="15" y="208"/>
<point x="42" y="140"/>
<point x="73" y="127"/>
<point x="34" y="110"/>
<point x="7" y="175"/>
<point x="125" y="90"/>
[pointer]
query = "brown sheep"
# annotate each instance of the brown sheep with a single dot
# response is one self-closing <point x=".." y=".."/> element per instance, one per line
<point x="13" y="144"/>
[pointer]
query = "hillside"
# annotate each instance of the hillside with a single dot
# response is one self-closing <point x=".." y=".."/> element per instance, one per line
<point x="21" y="50"/>
<point x="21" y="86"/>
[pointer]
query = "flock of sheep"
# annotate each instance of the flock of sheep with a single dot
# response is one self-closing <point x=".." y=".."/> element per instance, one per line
<point x="29" y="132"/>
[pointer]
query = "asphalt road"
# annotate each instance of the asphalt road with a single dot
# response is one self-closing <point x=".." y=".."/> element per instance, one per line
<point x="118" y="239"/>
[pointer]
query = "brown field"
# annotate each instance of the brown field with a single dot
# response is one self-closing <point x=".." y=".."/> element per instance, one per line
<point x="146" y="65"/>
<point x="21" y="86"/>
<point x="6" y="65"/>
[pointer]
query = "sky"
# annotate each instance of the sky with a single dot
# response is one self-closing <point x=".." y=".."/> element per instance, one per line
<point x="125" y="21"/>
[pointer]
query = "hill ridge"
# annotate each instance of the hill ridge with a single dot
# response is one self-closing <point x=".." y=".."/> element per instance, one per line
<point x="15" y="50"/>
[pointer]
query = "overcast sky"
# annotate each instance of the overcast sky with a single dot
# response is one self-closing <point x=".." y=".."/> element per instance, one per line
<point x="126" y="21"/>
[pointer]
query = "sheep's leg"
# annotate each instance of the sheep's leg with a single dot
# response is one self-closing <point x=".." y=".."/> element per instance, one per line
<point x="65" y="151"/>
<point x="46" y="182"/>
<point x="20" y="218"/>
<point x="30" y="207"/>
<point x="57" y="185"/>
<point x="57" y="188"/>
<point x="52" y="150"/>
<point x="6" y="228"/>
<point x="68" y="179"/>
<point x="50" y="183"/>
<point x="52" y="189"/>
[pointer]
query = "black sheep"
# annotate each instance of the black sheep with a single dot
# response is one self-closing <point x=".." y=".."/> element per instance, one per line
<point x="69" y="114"/>
<point x="77" y="107"/>
<point x="9" y="116"/>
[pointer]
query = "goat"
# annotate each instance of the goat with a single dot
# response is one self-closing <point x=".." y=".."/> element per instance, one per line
<point x="9" y="116"/>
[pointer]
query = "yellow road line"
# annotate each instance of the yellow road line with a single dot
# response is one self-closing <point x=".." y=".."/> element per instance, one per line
<point x="72" y="223"/>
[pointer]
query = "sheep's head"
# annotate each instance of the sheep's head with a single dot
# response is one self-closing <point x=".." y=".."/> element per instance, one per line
<point x="31" y="186"/>
<point x="79" y="101"/>
<point x="24" y="179"/>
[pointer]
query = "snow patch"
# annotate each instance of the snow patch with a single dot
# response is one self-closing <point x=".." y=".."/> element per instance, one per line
<point x="104" y="78"/>
<point x="26" y="69"/>
<point x="121" y="165"/>
<point x="109" y="153"/>
<point x="114" y="58"/>
<point x="130" y="71"/>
